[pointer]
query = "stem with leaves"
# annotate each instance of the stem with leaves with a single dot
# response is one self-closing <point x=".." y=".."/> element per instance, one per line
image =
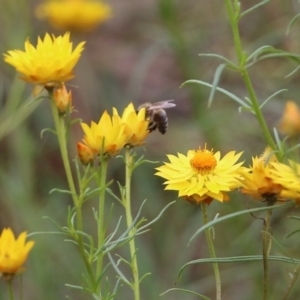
<point x="211" y="251"/>
<point x="233" y="10"/>
<point x="61" y="132"/>
<point x="129" y="164"/>
<point x="101" y="214"/>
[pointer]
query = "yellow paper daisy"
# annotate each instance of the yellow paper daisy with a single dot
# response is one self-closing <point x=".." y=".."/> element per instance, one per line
<point x="136" y="127"/>
<point x="258" y="179"/>
<point x="288" y="177"/>
<point x="48" y="64"/>
<point x="106" y="137"/>
<point x="201" y="175"/>
<point x="13" y="252"/>
<point x="74" y="15"/>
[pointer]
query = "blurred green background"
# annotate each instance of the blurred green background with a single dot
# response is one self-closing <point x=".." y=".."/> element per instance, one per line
<point x="144" y="53"/>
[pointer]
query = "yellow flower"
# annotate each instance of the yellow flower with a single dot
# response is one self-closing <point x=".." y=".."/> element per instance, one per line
<point x="13" y="252"/>
<point x="107" y="136"/>
<point x="258" y="179"/>
<point x="136" y="126"/>
<point x="288" y="177"/>
<point x="49" y="64"/>
<point x="74" y="15"/>
<point x="290" y="122"/>
<point x="201" y="175"/>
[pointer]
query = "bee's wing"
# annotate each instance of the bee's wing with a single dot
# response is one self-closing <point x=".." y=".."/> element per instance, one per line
<point x="161" y="105"/>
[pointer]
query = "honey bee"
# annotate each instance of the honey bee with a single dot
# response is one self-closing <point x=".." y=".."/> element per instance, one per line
<point x="155" y="113"/>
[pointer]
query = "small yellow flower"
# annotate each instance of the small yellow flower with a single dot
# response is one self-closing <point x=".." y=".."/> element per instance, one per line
<point x="74" y="15"/>
<point x="290" y="122"/>
<point x="85" y="154"/>
<point x="13" y="252"/>
<point x="63" y="99"/>
<point x="106" y="137"/>
<point x="288" y="177"/>
<point x="201" y="175"/>
<point x="49" y="64"/>
<point x="136" y="126"/>
<point x="258" y="179"/>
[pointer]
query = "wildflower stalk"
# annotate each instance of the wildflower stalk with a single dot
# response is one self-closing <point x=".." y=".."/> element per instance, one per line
<point x="211" y="251"/>
<point x="60" y="129"/>
<point x="10" y="290"/>
<point x="233" y="14"/>
<point x="266" y="249"/>
<point x="129" y="162"/>
<point x="101" y="213"/>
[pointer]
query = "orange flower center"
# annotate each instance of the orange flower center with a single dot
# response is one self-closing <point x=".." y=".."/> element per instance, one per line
<point x="203" y="162"/>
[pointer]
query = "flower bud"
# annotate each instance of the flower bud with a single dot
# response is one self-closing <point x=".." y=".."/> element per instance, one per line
<point x="63" y="99"/>
<point x="85" y="154"/>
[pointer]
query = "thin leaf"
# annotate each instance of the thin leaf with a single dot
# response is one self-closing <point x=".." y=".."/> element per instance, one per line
<point x="186" y="291"/>
<point x="230" y="95"/>
<point x="272" y="96"/>
<point x="234" y="259"/>
<point x="228" y="62"/>
<point x="215" y="83"/>
<point x="236" y="214"/>
<point x="292" y="23"/>
<point x="253" y="8"/>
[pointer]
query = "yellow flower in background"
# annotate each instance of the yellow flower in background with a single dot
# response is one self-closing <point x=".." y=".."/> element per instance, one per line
<point x="74" y="15"/>
<point x="288" y="177"/>
<point x="48" y="64"/>
<point x="136" y="127"/>
<point x="290" y="122"/>
<point x="201" y="175"/>
<point x="13" y="252"/>
<point x="106" y="137"/>
<point x="258" y="179"/>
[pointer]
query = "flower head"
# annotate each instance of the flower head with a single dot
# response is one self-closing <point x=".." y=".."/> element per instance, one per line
<point x="288" y="177"/>
<point x="201" y="175"/>
<point x="258" y="179"/>
<point x="136" y="127"/>
<point x="13" y="252"/>
<point x="106" y="137"/>
<point x="74" y="15"/>
<point x="290" y="122"/>
<point x="49" y="64"/>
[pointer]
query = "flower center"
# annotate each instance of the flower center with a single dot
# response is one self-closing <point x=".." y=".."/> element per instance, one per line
<point x="203" y="162"/>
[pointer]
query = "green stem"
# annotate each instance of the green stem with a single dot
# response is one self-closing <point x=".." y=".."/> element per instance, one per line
<point x="60" y="128"/>
<point x="266" y="241"/>
<point x="233" y="14"/>
<point x="101" y="214"/>
<point x="127" y="204"/>
<point x="10" y="290"/>
<point x="211" y="251"/>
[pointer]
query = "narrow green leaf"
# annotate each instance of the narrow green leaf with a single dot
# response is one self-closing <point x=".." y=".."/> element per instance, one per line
<point x="186" y="291"/>
<point x="236" y="214"/>
<point x="230" y="95"/>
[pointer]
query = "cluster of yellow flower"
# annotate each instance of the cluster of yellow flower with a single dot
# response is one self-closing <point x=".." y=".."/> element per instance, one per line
<point x="203" y="176"/>
<point x="111" y="134"/>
